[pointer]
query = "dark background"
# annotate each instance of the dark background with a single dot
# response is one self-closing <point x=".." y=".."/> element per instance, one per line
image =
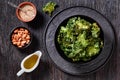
<point x="11" y="57"/>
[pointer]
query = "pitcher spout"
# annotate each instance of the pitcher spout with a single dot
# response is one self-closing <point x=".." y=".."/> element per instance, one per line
<point x="39" y="53"/>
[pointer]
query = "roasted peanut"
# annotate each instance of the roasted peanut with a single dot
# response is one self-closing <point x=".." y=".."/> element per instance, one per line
<point x="20" y="37"/>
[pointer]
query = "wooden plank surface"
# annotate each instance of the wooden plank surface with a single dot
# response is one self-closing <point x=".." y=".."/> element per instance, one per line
<point x="10" y="57"/>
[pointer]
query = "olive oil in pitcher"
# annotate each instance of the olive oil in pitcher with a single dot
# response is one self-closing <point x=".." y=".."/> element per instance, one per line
<point x="30" y="62"/>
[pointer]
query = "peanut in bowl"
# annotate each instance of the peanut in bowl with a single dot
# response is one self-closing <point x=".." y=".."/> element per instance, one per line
<point x="21" y="37"/>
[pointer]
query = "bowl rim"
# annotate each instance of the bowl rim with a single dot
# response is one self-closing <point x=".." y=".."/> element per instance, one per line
<point x="25" y="45"/>
<point x="112" y="44"/>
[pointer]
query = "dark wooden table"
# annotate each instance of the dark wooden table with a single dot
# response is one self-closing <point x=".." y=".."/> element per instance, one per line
<point x="10" y="57"/>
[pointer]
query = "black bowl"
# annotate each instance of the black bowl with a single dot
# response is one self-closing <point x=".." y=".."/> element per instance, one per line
<point x="79" y="68"/>
<point x="63" y="24"/>
<point x="26" y="45"/>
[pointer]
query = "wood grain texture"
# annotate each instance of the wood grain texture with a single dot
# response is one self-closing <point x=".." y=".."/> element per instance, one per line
<point x="10" y="57"/>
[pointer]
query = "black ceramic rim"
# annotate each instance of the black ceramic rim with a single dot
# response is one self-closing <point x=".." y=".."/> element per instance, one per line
<point x="88" y="67"/>
<point x="25" y="45"/>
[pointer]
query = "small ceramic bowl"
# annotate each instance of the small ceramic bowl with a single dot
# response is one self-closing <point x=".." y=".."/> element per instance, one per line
<point x="26" y="11"/>
<point x="21" y="37"/>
